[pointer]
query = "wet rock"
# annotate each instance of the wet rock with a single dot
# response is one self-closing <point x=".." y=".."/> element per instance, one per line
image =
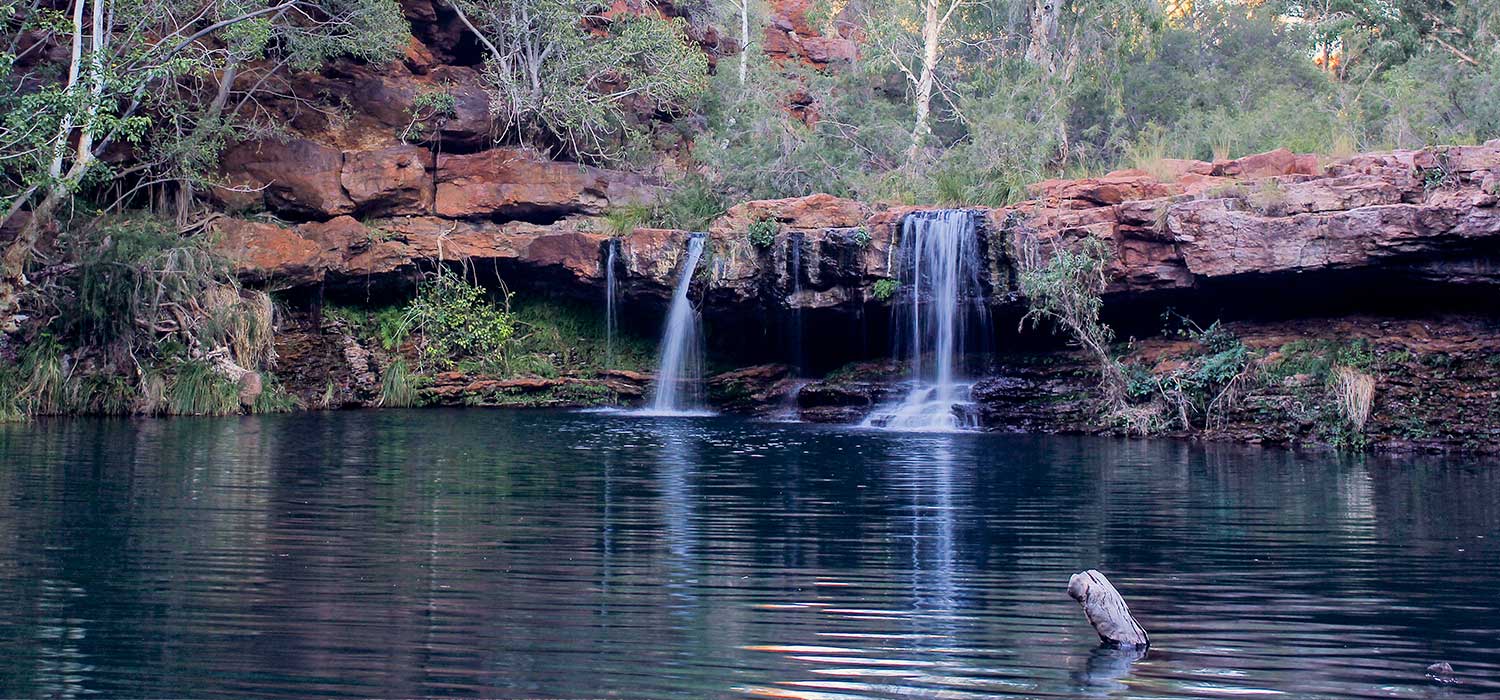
<point x="756" y="389"/>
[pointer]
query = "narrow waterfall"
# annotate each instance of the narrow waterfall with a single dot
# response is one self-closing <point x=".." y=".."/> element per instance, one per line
<point x="794" y="302"/>
<point x="679" y="377"/>
<point x="940" y="265"/>
<point x="611" y="315"/>
<point x="796" y="357"/>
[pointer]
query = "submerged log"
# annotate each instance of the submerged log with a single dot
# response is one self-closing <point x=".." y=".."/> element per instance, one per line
<point x="1106" y="610"/>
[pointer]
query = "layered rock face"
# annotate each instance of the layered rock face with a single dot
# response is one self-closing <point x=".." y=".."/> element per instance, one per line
<point x="1412" y="216"/>
<point x="360" y="207"/>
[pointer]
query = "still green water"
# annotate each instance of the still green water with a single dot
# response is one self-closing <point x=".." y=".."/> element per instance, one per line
<point x="519" y="554"/>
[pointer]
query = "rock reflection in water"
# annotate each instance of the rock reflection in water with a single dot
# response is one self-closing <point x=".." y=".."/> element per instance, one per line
<point x="525" y="554"/>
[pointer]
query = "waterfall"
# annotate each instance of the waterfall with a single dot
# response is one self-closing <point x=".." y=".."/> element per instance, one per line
<point x="794" y="332"/>
<point x="679" y="376"/>
<point x="611" y="315"/>
<point x="940" y="268"/>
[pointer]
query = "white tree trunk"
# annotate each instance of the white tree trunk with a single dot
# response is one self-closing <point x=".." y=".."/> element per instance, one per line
<point x="744" y="40"/>
<point x="1042" y="49"/>
<point x="932" y="27"/>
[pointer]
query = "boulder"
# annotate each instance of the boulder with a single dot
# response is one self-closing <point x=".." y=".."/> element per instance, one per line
<point x="519" y="183"/>
<point x="1096" y="191"/>
<point x="270" y="255"/>
<point x="395" y="180"/>
<point x="1278" y="162"/>
<point x="298" y="178"/>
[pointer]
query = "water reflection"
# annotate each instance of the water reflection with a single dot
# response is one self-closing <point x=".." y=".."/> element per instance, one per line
<point x="526" y="554"/>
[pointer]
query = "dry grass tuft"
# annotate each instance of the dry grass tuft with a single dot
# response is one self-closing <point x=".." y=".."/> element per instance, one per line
<point x="1354" y="392"/>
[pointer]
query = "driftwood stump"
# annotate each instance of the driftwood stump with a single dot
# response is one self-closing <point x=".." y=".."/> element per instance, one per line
<point x="1107" y="611"/>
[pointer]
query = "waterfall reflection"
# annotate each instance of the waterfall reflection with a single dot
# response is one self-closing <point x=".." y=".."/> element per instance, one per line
<point x="676" y="462"/>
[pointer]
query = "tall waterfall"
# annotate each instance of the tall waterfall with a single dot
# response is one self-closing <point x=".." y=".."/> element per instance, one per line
<point x="611" y="315"/>
<point x="679" y="377"/>
<point x="794" y="330"/>
<point x="941" y="264"/>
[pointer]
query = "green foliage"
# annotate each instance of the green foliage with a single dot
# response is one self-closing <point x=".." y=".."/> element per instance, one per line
<point x="689" y="205"/>
<point x="555" y="338"/>
<point x="428" y="109"/>
<point x="157" y="95"/>
<point x="196" y="390"/>
<point x="549" y="73"/>
<point x="624" y="219"/>
<point x="399" y="387"/>
<point x="1064" y="285"/>
<point x="884" y="289"/>
<point x="862" y="237"/>
<point x="457" y="321"/>
<point x="274" y="397"/>
<point x="762" y="233"/>
<point x="568" y="394"/>
<point x="136" y="283"/>
<point x="1436" y="178"/>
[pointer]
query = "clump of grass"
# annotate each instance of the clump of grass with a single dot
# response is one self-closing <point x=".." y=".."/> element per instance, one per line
<point x="689" y="205"/>
<point x="274" y="398"/>
<point x="992" y="188"/>
<point x="1149" y="153"/>
<point x="197" y="390"/>
<point x="43" y="376"/>
<point x="1354" y="394"/>
<point x="398" y="387"/>
<point x="1269" y="197"/>
<point x="622" y="220"/>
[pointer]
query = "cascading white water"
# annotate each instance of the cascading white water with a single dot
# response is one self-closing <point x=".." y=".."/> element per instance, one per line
<point x="610" y="314"/>
<point x="794" y="331"/>
<point x="941" y="264"/>
<point x="679" y="377"/>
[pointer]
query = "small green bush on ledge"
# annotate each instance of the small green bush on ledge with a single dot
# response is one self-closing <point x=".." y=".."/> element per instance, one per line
<point x="762" y="233"/>
<point x="457" y="321"/>
<point x="885" y="289"/>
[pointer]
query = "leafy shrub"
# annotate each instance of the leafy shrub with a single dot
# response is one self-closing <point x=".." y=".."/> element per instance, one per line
<point x="762" y="233"/>
<point x="429" y="106"/>
<point x="885" y="289"/>
<point x="458" y="321"/>
<point x="862" y="237"/>
<point x="1066" y="287"/>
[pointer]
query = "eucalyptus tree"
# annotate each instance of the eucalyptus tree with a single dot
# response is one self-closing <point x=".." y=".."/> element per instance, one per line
<point x="151" y="83"/>
<point x="561" y="73"/>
